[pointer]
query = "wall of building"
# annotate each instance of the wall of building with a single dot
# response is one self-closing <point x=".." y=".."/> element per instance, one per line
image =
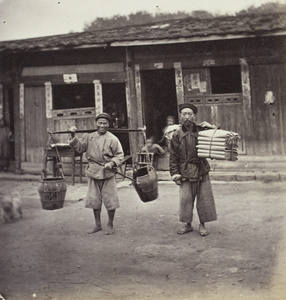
<point x="257" y="112"/>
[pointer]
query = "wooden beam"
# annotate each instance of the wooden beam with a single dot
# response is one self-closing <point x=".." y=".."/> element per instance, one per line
<point x="71" y="69"/>
<point x="1" y="103"/>
<point x="140" y="114"/>
<point x="246" y="102"/>
<point x="131" y="101"/>
<point x="86" y="78"/>
<point x="17" y="126"/>
<point x="22" y="121"/>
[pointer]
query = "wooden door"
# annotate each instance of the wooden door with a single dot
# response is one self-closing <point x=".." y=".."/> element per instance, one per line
<point x="268" y="85"/>
<point x="35" y="128"/>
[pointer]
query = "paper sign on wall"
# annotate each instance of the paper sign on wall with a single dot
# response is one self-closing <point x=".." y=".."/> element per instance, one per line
<point x="195" y="81"/>
<point x="203" y="87"/>
<point x="70" y="78"/>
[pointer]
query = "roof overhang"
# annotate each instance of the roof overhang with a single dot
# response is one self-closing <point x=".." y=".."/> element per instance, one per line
<point x="190" y="39"/>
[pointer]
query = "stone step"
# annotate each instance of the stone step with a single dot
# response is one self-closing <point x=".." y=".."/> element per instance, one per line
<point x="231" y="176"/>
<point x="251" y="163"/>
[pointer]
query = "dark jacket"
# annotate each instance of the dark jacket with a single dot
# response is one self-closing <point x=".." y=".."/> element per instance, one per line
<point x="183" y="154"/>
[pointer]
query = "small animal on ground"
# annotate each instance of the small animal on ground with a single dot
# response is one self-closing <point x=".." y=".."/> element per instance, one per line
<point x="10" y="207"/>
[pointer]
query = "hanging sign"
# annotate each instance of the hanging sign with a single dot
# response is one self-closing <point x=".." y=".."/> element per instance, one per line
<point x="70" y="78"/>
<point x="21" y="100"/>
<point x="49" y="99"/>
<point x="98" y="97"/>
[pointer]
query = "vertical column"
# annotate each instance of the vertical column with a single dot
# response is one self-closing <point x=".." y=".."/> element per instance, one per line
<point x="246" y="100"/>
<point x="22" y="121"/>
<point x="1" y="103"/>
<point x="17" y="125"/>
<point x="179" y="82"/>
<point x="134" y="117"/>
<point x="98" y="97"/>
<point x="140" y="114"/>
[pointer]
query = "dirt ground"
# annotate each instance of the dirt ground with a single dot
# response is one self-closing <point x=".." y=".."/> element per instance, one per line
<point x="49" y="255"/>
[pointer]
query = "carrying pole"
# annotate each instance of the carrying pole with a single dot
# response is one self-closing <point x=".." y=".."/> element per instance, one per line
<point x="115" y="130"/>
<point x="115" y="171"/>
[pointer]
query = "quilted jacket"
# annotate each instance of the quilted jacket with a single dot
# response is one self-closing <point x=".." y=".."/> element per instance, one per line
<point x="102" y="148"/>
<point x="183" y="154"/>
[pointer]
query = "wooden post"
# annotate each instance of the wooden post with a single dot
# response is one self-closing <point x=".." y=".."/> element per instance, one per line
<point x="17" y="125"/>
<point x="246" y="101"/>
<point x="1" y="103"/>
<point x="140" y="115"/>
<point x="134" y="117"/>
<point x="22" y="121"/>
<point x="179" y="83"/>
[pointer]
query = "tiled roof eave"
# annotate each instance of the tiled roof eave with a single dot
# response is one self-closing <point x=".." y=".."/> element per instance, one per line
<point x="143" y="42"/>
<point x="167" y="32"/>
<point x="54" y="48"/>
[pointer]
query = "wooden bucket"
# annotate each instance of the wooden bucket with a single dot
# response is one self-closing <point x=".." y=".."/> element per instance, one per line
<point x="146" y="183"/>
<point x="52" y="192"/>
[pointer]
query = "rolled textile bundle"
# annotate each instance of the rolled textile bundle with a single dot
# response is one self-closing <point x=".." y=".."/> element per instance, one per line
<point x="207" y="139"/>
<point x="219" y="157"/>
<point x="217" y="133"/>
<point x="218" y="144"/>
<point x="212" y="147"/>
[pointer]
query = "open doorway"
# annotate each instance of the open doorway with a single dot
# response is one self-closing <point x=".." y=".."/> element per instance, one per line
<point x="159" y="100"/>
<point x="114" y="103"/>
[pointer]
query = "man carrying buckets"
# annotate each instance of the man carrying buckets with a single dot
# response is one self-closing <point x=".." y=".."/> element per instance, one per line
<point x="190" y="172"/>
<point x="106" y="152"/>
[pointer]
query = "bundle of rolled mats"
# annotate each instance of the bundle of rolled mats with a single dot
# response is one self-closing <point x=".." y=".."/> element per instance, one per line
<point x="218" y="144"/>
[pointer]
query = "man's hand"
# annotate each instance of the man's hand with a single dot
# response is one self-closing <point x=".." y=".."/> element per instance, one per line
<point x="73" y="130"/>
<point x="109" y="165"/>
<point x="52" y="140"/>
<point x="177" y="178"/>
<point x="208" y="125"/>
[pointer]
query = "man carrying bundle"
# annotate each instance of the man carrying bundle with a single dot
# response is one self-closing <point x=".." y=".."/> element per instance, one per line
<point x="105" y="148"/>
<point x="190" y="172"/>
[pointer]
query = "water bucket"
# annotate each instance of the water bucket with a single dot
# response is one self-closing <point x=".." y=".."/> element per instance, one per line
<point x="52" y="192"/>
<point x="146" y="183"/>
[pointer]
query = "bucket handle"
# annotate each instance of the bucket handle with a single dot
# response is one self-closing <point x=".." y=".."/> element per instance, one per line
<point x="44" y="172"/>
<point x="59" y="165"/>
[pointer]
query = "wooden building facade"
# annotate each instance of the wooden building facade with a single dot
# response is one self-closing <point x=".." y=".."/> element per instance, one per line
<point x="139" y="75"/>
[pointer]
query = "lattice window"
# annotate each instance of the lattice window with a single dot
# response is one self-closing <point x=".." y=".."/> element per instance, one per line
<point x="71" y="96"/>
<point x="225" y="79"/>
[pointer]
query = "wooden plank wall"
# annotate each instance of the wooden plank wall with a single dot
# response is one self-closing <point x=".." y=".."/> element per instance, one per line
<point x="267" y="119"/>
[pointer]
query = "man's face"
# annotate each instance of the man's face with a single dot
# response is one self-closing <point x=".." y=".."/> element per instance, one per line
<point x="187" y="116"/>
<point x="102" y="125"/>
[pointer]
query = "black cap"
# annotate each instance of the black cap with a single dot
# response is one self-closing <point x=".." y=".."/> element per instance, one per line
<point x="103" y="116"/>
<point x="188" y="105"/>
